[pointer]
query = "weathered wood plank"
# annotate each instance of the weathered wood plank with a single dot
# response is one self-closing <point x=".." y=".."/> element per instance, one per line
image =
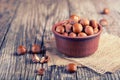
<point x="112" y="18"/>
<point x="7" y="11"/>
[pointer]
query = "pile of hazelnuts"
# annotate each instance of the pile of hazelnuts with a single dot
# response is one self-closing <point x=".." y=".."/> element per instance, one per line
<point x="77" y="27"/>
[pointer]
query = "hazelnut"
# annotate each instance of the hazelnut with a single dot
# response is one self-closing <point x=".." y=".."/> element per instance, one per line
<point x="71" y="21"/>
<point x="68" y="27"/>
<point x="84" y="22"/>
<point x="71" y="67"/>
<point x="35" y="58"/>
<point x="42" y="60"/>
<point x="95" y="30"/>
<point x="40" y="71"/>
<point x="89" y="30"/>
<point x="36" y="48"/>
<point x="82" y="34"/>
<point x="72" y="34"/>
<point x="65" y="34"/>
<point x="93" y="23"/>
<point x="77" y="28"/>
<point x="106" y="11"/>
<point x="46" y="59"/>
<point x="103" y="22"/>
<point x="21" y="50"/>
<point x="75" y="18"/>
<point x="60" y="29"/>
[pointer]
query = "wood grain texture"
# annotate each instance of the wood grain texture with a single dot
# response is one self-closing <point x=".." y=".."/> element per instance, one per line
<point x="22" y="23"/>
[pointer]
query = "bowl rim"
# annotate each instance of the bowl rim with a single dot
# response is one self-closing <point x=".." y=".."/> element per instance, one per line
<point x="68" y="37"/>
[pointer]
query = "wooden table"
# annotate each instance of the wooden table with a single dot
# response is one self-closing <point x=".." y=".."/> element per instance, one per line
<point x="22" y="23"/>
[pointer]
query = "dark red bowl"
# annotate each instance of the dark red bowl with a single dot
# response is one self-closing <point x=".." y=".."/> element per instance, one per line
<point x="77" y="47"/>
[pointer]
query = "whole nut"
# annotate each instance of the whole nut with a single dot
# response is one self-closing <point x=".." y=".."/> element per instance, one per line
<point x="71" y="67"/>
<point x="36" y="48"/>
<point x="93" y="23"/>
<point x="35" y="58"/>
<point x="60" y="29"/>
<point x="95" y="30"/>
<point x="21" y="50"/>
<point x="82" y="34"/>
<point x="106" y="11"/>
<point x="72" y="34"/>
<point x="89" y="30"/>
<point x="40" y="71"/>
<point x="71" y="21"/>
<point x="65" y="34"/>
<point x="84" y="22"/>
<point x="77" y="28"/>
<point x="103" y="22"/>
<point x="68" y="27"/>
<point x="75" y="18"/>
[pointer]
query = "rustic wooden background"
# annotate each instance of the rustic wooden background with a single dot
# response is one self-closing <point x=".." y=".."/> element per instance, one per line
<point x="22" y="22"/>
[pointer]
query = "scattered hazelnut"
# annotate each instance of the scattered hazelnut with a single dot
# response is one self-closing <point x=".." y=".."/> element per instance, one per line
<point x="35" y="58"/>
<point x="46" y="59"/>
<point x="36" y="48"/>
<point x="65" y="34"/>
<point x="84" y="22"/>
<point x="72" y="34"/>
<point x="77" y="28"/>
<point x="89" y="30"/>
<point x="41" y="71"/>
<point x="106" y="11"/>
<point x="42" y="60"/>
<point x="21" y="50"/>
<point x="82" y="34"/>
<point x="103" y="22"/>
<point x="71" y="67"/>
<point x="95" y="30"/>
<point x="93" y="23"/>
<point x="60" y="29"/>
<point x="75" y="18"/>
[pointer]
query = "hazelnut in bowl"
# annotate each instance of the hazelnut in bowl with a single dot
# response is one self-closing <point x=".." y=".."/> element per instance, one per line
<point x="74" y="39"/>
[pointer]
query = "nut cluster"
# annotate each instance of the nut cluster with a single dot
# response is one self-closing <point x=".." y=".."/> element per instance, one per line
<point x="21" y="50"/>
<point x="76" y="27"/>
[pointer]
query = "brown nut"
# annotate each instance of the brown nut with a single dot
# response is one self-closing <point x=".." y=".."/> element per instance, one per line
<point x="36" y="48"/>
<point x="82" y="34"/>
<point x="71" y="67"/>
<point x="89" y="30"/>
<point x="95" y="30"/>
<point x="84" y="22"/>
<point x="77" y="28"/>
<point x="21" y="50"/>
<point x="35" y="58"/>
<point x="93" y="23"/>
<point x="47" y="58"/>
<point x="75" y="18"/>
<point x="65" y="34"/>
<point x="103" y="22"/>
<point x="72" y="34"/>
<point x="68" y="27"/>
<point x="41" y="71"/>
<point x="60" y="29"/>
<point x="42" y="60"/>
<point x="106" y="11"/>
